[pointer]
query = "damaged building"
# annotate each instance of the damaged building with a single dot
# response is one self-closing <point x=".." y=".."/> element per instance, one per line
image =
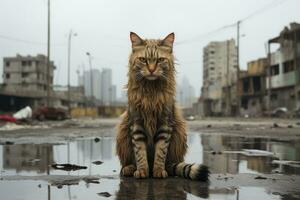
<point x="25" y="84"/>
<point x="283" y="80"/>
<point x="252" y="88"/>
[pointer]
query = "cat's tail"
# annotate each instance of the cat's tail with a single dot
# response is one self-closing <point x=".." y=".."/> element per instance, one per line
<point x="189" y="171"/>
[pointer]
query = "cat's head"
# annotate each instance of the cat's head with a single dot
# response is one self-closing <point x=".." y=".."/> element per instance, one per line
<point x="152" y="59"/>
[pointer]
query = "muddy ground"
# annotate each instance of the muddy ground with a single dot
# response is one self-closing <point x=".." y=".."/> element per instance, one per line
<point x="248" y="159"/>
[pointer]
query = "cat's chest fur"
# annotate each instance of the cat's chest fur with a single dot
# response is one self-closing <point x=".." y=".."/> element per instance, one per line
<point x="151" y="108"/>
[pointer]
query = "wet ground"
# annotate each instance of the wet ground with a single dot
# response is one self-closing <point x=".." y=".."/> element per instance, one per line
<point x="242" y="166"/>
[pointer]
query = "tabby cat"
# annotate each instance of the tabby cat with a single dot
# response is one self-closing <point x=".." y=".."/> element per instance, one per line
<point x="151" y="138"/>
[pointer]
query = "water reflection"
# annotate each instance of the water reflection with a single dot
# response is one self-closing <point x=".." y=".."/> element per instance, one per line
<point x="27" y="157"/>
<point x="160" y="189"/>
<point x="224" y="154"/>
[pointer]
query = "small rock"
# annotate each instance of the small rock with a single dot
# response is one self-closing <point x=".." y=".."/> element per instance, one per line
<point x="9" y="143"/>
<point x="275" y="125"/>
<point x="98" y="162"/>
<point x="260" y="177"/>
<point x="59" y="186"/>
<point x="290" y="126"/>
<point x="68" y="167"/>
<point x="97" y="139"/>
<point x="213" y="153"/>
<point x="39" y="185"/>
<point x="104" y="194"/>
<point x="208" y="126"/>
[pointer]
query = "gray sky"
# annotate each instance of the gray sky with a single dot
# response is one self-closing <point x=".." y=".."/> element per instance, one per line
<point x="103" y="28"/>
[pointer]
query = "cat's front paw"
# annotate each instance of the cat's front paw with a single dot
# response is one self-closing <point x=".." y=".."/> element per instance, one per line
<point x="141" y="173"/>
<point x="160" y="173"/>
<point x="128" y="170"/>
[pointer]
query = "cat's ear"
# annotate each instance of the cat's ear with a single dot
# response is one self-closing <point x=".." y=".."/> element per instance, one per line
<point x="169" y="40"/>
<point x="135" y="39"/>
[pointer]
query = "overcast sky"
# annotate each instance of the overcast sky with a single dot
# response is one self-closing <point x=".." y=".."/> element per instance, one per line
<point x="103" y="28"/>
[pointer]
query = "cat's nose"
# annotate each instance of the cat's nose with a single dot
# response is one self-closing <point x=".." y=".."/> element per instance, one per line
<point x="151" y="68"/>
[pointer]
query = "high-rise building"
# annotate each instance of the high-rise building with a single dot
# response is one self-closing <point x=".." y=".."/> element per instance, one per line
<point x="219" y="74"/>
<point x="95" y="79"/>
<point x="106" y="83"/>
<point x="113" y="94"/>
<point x="103" y="89"/>
<point x="185" y="93"/>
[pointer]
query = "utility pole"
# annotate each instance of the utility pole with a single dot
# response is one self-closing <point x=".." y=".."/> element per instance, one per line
<point x="238" y="68"/>
<point x="48" y="58"/>
<point x="69" y="68"/>
<point x="228" y="95"/>
<point x="269" y="75"/>
<point x="91" y="75"/>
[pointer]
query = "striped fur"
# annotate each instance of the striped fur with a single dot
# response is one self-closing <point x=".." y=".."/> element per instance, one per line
<point x="151" y="139"/>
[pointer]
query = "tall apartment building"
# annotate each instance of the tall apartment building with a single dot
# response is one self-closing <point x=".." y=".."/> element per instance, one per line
<point x="27" y="75"/>
<point x="219" y="75"/>
<point x="102" y="87"/>
<point x="91" y="77"/>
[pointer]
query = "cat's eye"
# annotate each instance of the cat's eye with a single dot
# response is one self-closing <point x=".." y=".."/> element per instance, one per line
<point x="161" y="59"/>
<point x="142" y="59"/>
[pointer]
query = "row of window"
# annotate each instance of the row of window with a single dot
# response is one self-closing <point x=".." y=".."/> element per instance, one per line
<point x="23" y="63"/>
<point x="26" y="74"/>
<point x="288" y="66"/>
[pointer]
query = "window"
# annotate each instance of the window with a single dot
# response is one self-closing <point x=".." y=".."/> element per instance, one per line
<point x="23" y="63"/>
<point x="24" y="75"/>
<point x="29" y="63"/>
<point x="256" y="84"/>
<point x="274" y="97"/>
<point x="288" y="66"/>
<point x="7" y="64"/>
<point x="7" y="76"/>
<point x="274" y="70"/>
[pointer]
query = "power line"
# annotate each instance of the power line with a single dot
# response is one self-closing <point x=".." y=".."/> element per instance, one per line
<point x="256" y="12"/>
<point x="263" y="9"/>
<point x="27" y="41"/>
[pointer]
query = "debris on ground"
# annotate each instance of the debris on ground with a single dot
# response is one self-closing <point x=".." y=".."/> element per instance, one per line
<point x="68" y="167"/>
<point x="91" y="180"/>
<point x="208" y="126"/>
<point x="97" y="139"/>
<point x="256" y="152"/>
<point x="104" y="194"/>
<point x="275" y="125"/>
<point x="24" y="113"/>
<point x="290" y="126"/>
<point x="98" y="162"/>
<point x="260" y="177"/>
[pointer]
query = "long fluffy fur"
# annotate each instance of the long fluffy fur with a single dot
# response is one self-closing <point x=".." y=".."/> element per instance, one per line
<point x="151" y="98"/>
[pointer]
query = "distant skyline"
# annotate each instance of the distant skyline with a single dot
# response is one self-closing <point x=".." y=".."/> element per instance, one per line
<point x="103" y="30"/>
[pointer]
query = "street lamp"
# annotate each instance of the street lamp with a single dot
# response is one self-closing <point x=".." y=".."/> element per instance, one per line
<point x="91" y="75"/>
<point x="71" y="33"/>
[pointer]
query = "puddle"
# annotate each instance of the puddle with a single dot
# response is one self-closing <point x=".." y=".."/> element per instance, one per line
<point x="235" y="163"/>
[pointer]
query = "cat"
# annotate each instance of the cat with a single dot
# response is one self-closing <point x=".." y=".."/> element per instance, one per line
<point x="151" y="138"/>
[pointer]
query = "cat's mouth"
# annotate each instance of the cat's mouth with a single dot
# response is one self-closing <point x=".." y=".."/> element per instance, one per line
<point x="151" y="77"/>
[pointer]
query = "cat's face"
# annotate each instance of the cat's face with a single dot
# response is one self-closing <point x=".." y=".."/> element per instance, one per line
<point x="151" y="59"/>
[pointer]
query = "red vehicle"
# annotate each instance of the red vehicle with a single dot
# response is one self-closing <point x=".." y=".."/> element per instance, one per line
<point x="43" y="113"/>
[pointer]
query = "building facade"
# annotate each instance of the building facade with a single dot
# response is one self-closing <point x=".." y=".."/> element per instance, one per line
<point x="27" y="75"/>
<point x="283" y="81"/>
<point x="219" y="76"/>
<point x="252" y="88"/>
